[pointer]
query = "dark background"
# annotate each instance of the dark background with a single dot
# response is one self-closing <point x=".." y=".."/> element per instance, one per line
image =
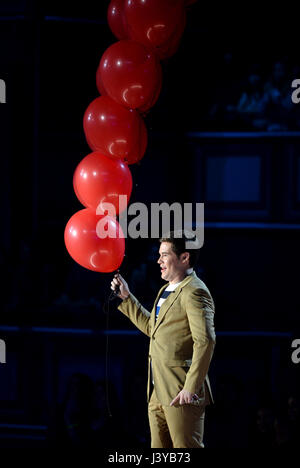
<point x="204" y="146"/>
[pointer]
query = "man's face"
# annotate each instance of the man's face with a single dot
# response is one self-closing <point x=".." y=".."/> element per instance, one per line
<point x="172" y="267"/>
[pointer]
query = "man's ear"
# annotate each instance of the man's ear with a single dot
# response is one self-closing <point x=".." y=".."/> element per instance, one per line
<point x="185" y="256"/>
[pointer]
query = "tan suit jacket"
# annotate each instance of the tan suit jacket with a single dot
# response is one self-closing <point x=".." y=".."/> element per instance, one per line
<point x="182" y="339"/>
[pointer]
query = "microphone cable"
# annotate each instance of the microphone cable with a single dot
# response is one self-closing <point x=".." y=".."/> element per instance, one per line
<point x="105" y="309"/>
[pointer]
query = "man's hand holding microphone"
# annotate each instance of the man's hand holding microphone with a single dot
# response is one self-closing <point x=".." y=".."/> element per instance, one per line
<point x="120" y="286"/>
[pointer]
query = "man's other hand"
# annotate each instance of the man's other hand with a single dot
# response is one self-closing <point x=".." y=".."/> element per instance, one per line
<point x="184" y="397"/>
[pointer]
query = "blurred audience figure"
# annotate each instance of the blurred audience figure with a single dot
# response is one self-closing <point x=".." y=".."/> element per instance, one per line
<point x="89" y="416"/>
<point x="262" y="432"/>
<point x="108" y="424"/>
<point x="228" y="420"/>
<point x="293" y="413"/>
<point x="262" y="103"/>
<point x="277" y="95"/>
<point x="251" y="105"/>
<point x="71" y="423"/>
<point x="281" y="427"/>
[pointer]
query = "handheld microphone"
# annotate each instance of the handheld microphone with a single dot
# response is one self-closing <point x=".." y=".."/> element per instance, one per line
<point x="117" y="288"/>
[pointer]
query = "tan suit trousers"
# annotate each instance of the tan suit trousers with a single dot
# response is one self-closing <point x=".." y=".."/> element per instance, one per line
<point x="180" y="426"/>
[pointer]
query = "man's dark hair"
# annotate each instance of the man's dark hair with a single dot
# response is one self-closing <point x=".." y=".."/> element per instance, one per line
<point x="179" y="246"/>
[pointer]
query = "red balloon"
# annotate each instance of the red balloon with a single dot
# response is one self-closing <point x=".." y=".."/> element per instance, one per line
<point x="130" y="74"/>
<point x="86" y="246"/>
<point x="155" y="23"/>
<point x="98" y="179"/>
<point x="100" y="86"/>
<point x="114" y="130"/>
<point x="174" y="42"/>
<point x="116" y="18"/>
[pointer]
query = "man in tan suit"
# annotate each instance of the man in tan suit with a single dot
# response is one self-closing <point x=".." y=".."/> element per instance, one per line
<point x="182" y="340"/>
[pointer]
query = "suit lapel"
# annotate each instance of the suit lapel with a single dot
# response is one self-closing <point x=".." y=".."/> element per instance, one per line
<point x="168" y="302"/>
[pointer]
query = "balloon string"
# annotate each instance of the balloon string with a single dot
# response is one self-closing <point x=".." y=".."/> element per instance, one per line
<point x="105" y="309"/>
